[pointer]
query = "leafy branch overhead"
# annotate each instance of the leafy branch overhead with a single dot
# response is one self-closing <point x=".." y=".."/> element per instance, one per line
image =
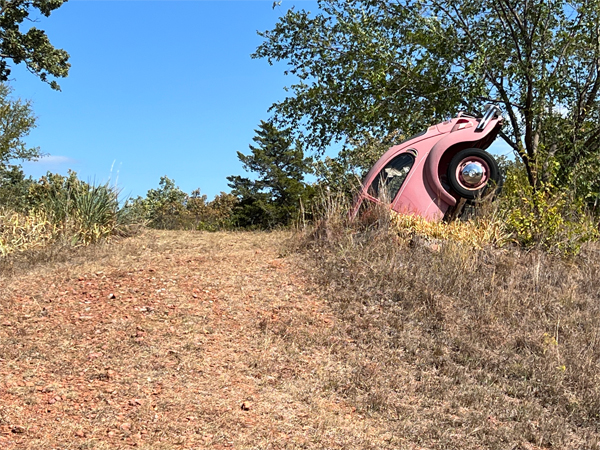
<point x="20" y="43"/>
<point x="367" y="68"/>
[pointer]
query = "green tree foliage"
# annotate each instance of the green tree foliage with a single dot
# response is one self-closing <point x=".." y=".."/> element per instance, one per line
<point x="344" y="172"/>
<point x="279" y="192"/>
<point x="366" y="68"/>
<point x="16" y="122"/>
<point x="21" y="43"/>
<point x="170" y="208"/>
<point x="14" y="188"/>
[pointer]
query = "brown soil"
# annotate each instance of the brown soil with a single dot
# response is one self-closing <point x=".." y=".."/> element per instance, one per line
<point x="173" y="340"/>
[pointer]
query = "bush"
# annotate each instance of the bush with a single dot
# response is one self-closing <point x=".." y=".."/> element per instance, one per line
<point x="546" y="217"/>
<point x="83" y="211"/>
<point x="217" y="214"/>
<point x="169" y="208"/>
<point x="61" y="208"/>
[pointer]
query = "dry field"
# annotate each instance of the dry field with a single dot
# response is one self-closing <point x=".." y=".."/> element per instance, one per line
<point x="188" y="340"/>
<point x="172" y="340"/>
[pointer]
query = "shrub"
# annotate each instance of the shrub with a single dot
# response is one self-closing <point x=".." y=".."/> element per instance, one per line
<point x="168" y="207"/>
<point x="553" y="219"/>
<point x="217" y="214"/>
<point x="83" y="211"/>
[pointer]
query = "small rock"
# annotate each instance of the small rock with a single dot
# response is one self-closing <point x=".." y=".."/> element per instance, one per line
<point x="126" y="426"/>
<point x="79" y="433"/>
<point x="18" y="429"/>
<point x="111" y="296"/>
<point x="247" y="406"/>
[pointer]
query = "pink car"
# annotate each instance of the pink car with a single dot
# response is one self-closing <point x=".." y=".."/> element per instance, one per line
<point x="428" y="173"/>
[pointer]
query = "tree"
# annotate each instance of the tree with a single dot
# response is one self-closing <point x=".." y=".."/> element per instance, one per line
<point x="14" y="188"/>
<point x="31" y="47"/>
<point x="367" y="68"/>
<point x="164" y="207"/>
<point x="16" y="122"/>
<point x="275" y="197"/>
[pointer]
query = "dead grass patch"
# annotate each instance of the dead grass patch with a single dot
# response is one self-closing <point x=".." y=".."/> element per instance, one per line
<point x="478" y="232"/>
<point x="22" y="232"/>
<point x="460" y="346"/>
<point x="197" y="340"/>
<point x="172" y="340"/>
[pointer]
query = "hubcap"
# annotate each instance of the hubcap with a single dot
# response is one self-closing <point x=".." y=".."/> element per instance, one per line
<point x="472" y="173"/>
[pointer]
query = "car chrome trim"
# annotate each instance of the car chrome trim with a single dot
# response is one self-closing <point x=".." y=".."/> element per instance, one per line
<point x="490" y="112"/>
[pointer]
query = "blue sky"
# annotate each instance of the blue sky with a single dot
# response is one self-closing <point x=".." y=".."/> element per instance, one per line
<point x="155" y="88"/>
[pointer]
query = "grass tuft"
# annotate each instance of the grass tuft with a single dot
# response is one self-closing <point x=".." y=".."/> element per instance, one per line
<point x="477" y="233"/>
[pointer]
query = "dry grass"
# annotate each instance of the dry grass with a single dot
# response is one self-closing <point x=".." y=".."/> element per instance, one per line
<point x="452" y="346"/>
<point x="171" y="340"/>
<point x="477" y="233"/>
<point x="197" y="340"/>
<point x="24" y="232"/>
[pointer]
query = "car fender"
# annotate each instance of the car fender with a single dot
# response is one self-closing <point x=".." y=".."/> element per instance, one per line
<point x="465" y="137"/>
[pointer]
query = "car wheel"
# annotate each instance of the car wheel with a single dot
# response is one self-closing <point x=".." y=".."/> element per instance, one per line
<point x="471" y="171"/>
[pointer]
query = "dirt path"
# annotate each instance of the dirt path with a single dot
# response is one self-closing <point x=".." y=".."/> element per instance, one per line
<point x="172" y="340"/>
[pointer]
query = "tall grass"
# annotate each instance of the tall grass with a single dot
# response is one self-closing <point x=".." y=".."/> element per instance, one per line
<point x="473" y="345"/>
<point x="63" y="209"/>
<point x="332" y="220"/>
